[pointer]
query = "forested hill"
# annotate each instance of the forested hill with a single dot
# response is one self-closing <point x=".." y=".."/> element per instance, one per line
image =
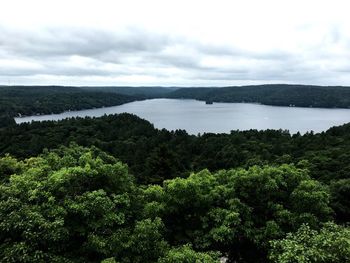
<point x="147" y="91"/>
<point x="143" y="195"/>
<point x="274" y="94"/>
<point x="31" y="100"/>
<point x="154" y="155"/>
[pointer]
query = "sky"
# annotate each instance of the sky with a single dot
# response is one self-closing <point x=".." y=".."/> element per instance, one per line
<point x="174" y="43"/>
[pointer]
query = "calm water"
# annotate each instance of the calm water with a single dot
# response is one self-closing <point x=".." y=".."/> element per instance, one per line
<point x="197" y="117"/>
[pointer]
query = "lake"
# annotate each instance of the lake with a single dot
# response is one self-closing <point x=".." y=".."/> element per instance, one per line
<point x="197" y="117"/>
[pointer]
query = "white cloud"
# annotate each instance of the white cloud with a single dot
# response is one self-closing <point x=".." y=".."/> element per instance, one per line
<point x="160" y="42"/>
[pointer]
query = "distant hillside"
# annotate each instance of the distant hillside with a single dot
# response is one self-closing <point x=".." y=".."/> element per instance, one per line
<point x="275" y="94"/>
<point x="30" y="100"/>
<point x="148" y="92"/>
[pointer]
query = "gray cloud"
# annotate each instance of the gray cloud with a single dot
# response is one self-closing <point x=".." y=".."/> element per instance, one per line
<point x="78" y="41"/>
<point x="91" y="53"/>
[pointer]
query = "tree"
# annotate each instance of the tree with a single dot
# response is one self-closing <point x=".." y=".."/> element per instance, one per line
<point x="329" y="245"/>
<point x="340" y="199"/>
<point x="72" y="205"/>
<point x="238" y="211"/>
<point x="160" y="165"/>
<point x="186" y="254"/>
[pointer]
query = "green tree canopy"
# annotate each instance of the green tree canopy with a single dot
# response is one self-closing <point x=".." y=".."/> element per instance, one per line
<point x="73" y="204"/>
<point x="238" y="211"/>
<point x="329" y="245"/>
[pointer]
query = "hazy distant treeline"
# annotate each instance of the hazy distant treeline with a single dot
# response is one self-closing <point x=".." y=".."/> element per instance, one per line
<point x="278" y="95"/>
<point x="31" y="100"/>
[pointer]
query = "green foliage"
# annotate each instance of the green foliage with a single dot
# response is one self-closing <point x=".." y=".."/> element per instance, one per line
<point x="311" y="200"/>
<point x="186" y="254"/>
<point x="147" y="241"/>
<point x="6" y="120"/>
<point x="8" y="166"/>
<point x="329" y="245"/>
<point x="76" y="204"/>
<point x="340" y="192"/>
<point x="154" y="155"/>
<point x="56" y="210"/>
<point x="161" y="163"/>
<point x="238" y="211"/>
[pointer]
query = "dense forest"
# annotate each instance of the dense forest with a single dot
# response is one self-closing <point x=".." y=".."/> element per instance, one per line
<point x="273" y="94"/>
<point x="115" y="189"/>
<point x="147" y="92"/>
<point x="32" y="100"/>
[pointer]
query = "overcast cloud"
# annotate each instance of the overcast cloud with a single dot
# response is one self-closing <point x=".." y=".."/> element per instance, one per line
<point x="183" y="43"/>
